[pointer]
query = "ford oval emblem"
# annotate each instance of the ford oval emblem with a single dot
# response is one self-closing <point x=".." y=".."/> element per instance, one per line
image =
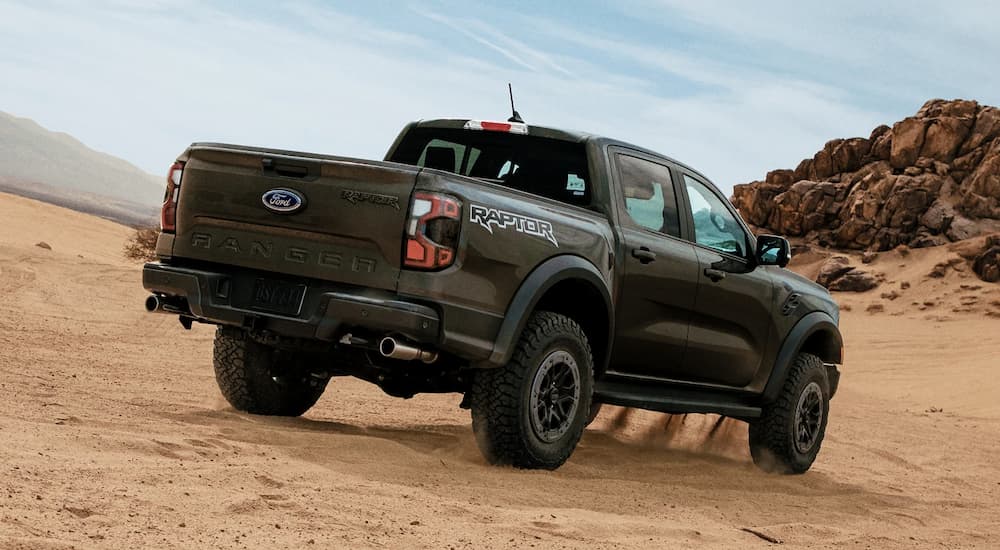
<point x="283" y="201"/>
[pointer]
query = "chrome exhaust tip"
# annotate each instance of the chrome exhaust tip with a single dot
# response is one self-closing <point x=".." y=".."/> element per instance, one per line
<point x="394" y="349"/>
<point x="156" y="303"/>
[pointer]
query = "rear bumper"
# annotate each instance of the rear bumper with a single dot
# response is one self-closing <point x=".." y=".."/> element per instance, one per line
<point x="328" y="311"/>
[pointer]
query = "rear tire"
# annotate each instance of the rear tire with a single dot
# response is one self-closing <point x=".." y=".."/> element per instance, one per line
<point x="531" y="412"/>
<point x="260" y="379"/>
<point x="787" y="436"/>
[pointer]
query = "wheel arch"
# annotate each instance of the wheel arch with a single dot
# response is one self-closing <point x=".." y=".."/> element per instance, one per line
<point x="569" y="285"/>
<point x="816" y="333"/>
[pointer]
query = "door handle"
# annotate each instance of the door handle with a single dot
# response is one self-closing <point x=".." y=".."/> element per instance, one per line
<point x="644" y="255"/>
<point x="715" y="274"/>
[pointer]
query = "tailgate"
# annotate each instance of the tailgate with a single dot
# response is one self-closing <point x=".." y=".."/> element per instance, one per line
<point x="308" y="215"/>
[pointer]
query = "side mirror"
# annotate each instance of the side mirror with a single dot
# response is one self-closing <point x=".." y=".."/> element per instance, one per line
<point x="773" y="250"/>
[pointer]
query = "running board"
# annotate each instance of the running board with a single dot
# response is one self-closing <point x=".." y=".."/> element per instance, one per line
<point x="656" y="397"/>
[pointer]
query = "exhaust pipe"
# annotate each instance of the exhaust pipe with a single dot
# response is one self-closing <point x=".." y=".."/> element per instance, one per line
<point x="393" y="349"/>
<point x="156" y="303"/>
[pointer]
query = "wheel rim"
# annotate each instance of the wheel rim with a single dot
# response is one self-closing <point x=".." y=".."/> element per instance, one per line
<point x="555" y="396"/>
<point x="808" y="417"/>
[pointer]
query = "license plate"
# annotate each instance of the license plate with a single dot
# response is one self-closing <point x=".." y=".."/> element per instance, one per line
<point x="277" y="297"/>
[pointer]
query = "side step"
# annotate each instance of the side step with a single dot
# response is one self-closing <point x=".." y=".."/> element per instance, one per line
<point x="672" y="399"/>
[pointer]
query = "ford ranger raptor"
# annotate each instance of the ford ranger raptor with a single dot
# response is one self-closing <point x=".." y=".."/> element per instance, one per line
<point x="538" y="272"/>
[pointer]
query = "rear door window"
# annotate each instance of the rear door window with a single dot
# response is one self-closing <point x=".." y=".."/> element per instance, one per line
<point x="650" y="200"/>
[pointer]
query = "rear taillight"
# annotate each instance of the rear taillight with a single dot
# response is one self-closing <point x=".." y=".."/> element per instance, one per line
<point x="168" y="213"/>
<point x="432" y="231"/>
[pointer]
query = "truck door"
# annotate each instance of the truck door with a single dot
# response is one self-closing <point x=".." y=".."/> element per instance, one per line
<point x="732" y="318"/>
<point x="657" y="291"/>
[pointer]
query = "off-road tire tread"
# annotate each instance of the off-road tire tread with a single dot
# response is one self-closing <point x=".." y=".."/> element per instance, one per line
<point x="770" y="446"/>
<point x="242" y="372"/>
<point x="495" y="396"/>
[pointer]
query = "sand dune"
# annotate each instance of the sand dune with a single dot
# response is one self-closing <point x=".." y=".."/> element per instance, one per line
<point x="113" y="434"/>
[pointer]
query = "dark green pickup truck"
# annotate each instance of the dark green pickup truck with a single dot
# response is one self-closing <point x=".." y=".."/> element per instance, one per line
<point x="538" y="272"/>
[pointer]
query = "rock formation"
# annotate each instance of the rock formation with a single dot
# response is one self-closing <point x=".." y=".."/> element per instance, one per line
<point x="928" y="180"/>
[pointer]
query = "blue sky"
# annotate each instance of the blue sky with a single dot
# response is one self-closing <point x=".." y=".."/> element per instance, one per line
<point x="732" y="88"/>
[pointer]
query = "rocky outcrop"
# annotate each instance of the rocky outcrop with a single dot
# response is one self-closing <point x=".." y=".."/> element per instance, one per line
<point x="928" y="180"/>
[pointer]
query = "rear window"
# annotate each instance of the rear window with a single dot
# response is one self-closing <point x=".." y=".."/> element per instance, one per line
<point x="548" y="167"/>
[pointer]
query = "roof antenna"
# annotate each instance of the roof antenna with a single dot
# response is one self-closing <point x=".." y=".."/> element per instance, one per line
<point x="516" y="117"/>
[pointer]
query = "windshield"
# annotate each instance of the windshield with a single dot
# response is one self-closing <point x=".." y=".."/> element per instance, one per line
<point x="548" y="167"/>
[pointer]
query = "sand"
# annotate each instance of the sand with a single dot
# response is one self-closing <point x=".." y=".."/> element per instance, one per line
<point x="113" y="434"/>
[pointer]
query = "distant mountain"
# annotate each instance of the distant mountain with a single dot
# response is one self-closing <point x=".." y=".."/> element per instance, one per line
<point x="56" y="167"/>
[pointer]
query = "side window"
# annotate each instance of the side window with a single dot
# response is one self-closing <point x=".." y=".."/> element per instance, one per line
<point x="714" y="225"/>
<point x="649" y="195"/>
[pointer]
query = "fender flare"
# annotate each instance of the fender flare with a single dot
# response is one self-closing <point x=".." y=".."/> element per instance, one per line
<point x="808" y="325"/>
<point x="539" y="281"/>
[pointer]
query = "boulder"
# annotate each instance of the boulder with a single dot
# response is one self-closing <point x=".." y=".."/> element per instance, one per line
<point x="854" y="280"/>
<point x="982" y="186"/>
<point x="987" y="264"/>
<point x="985" y="130"/>
<point x="832" y="269"/>
<point x="939" y="270"/>
<point x="924" y="240"/>
<point x="963" y="108"/>
<point x="938" y="217"/>
<point x="803" y="170"/>
<point x="822" y="165"/>
<point x="944" y="137"/>
<point x="961" y="228"/>
<point x="881" y="140"/>
<point x="907" y="141"/>
<point x="780" y="177"/>
<point x="848" y="154"/>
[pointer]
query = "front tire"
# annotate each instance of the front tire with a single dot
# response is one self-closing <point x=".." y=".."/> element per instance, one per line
<point x="260" y="379"/>
<point x="787" y="436"/>
<point x="531" y="412"/>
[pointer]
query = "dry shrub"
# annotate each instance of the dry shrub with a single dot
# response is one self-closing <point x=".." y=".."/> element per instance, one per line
<point x="142" y="244"/>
